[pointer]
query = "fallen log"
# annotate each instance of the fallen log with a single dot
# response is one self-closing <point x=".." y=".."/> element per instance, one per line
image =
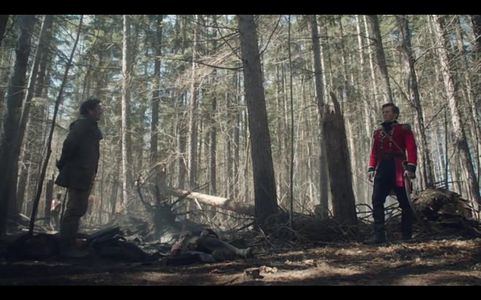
<point x="215" y="201"/>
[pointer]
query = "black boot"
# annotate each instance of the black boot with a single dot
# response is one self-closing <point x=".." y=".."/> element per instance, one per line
<point x="379" y="235"/>
<point x="406" y="224"/>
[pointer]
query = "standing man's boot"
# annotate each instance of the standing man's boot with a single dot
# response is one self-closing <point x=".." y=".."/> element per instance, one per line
<point x="379" y="235"/>
<point x="406" y="224"/>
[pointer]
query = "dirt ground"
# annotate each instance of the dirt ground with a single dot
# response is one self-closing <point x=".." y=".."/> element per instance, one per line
<point x="434" y="262"/>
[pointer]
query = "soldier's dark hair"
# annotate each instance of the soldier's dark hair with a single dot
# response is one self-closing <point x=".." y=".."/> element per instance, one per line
<point x="395" y="109"/>
<point x="89" y="104"/>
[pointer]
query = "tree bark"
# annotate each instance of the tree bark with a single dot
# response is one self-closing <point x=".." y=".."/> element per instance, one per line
<point x="380" y="56"/>
<point x="41" y="48"/>
<point x="49" y="140"/>
<point x="213" y="125"/>
<point x="193" y="115"/>
<point x="415" y="99"/>
<point x="469" y="92"/>
<point x="340" y="176"/>
<point x="154" y="155"/>
<point x="182" y="141"/>
<point x="291" y="158"/>
<point x="476" y="20"/>
<point x="15" y="97"/>
<point x="263" y="169"/>
<point x="451" y="85"/>
<point x="125" y="99"/>
<point x="367" y="118"/>
<point x="3" y="26"/>
<point x="319" y="83"/>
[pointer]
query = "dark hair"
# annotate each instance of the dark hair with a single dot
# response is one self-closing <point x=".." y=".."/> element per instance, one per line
<point x="89" y="104"/>
<point x="395" y="109"/>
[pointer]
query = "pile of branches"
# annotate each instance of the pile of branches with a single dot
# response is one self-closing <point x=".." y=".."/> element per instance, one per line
<point x="443" y="212"/>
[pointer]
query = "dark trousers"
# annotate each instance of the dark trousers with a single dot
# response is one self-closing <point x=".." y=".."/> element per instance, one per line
<point x="384" y="183"/>
<point x="76" y="208"/>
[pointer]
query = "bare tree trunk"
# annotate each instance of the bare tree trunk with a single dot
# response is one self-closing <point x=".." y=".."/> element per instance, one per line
<point x="5" y="64"/>
<point x="237" y="133"/>
<point x="264" y="180"/>
<point x="380" y="57"/>
<point x="415" y="99"/>
<point x="367" y="119"/>
<point x="182" y="143"/>
<point x="213" y="147"/>
<point x="41" y="48"/>
<point x="229" y="179"/>
<point x="3" y="26"/>
<point x="36" y="129"/>
<point x="15" y="97"/>
<point x="375" y="87"/>
<point x="453" y="103"/>
<point x="154" y="155"/>
<point x="476" y="87"/>
<point x="446" y="154"/>
<point x="125" y="99"/>
<point x="362" y="189"/>
<point x="340" y="176"/>
<point x="193" y="116"/>
<point x="213" y="127"/>
<point x="291" y="159"/>
<point x="49" y="140"/>
<point x="319" y="83"/>
<point x="476" y="20"/>
<point x="469" y="93"/>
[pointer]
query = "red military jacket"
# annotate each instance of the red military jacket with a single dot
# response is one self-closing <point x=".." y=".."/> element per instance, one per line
<point x="394" y="143"/>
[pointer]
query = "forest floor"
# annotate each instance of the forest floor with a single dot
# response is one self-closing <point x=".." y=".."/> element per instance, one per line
<point x="447" y="261"/>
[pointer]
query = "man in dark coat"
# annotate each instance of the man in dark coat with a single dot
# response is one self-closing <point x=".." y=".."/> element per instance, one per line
<point x="388" y="166"/>
<point x="78" y="167"/>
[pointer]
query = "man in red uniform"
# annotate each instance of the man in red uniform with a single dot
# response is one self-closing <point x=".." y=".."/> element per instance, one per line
<point x="388" y="165"/>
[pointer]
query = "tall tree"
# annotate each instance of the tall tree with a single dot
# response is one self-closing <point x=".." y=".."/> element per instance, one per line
<point x="154" y="155"/>
<point x="367" y="118"/>
<point x="193" y="113"/>
<point x="468" y="90"/>
<point x="372" y="72"/>
<point x="125" y="99"/>
<point x="15" y="97"/>
<point x="380" y="56"/>
<point x="319" y="83"/>
<point x="454" y="102"/>
<point x="179" y="43"/>
<point x="213" y="125"/>
<point x="476" y="20"/>
<point x="340" y="176"/>
<point x="291" y="101"/>
<point x="3" y="26"/>
<point x="264" y="180"/>
<point x="476" y="88"/>
<point x="45" y="161"/>
<point x="27" y="103"/>
<point x="415" y="100"/>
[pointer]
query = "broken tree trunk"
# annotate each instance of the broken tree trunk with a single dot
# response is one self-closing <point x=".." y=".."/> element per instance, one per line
<point x="340" y="175"/>
<point x="214" y="201"/>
